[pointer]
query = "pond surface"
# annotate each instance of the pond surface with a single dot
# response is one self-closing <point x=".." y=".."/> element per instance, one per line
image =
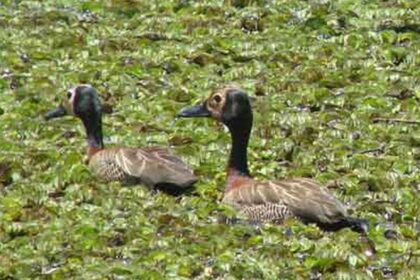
<point x="326" y="78"/>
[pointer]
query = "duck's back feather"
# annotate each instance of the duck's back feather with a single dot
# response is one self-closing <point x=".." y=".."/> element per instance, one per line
<point x="151" y="167"/>
<point x="303" y="198"/>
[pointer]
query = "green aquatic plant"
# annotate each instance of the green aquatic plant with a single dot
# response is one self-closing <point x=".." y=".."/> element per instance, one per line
<point x="335" y="91"/>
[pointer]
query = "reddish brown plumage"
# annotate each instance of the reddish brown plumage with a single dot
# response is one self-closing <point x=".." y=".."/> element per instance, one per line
<point x="236" y="180"/>
<point x="91" y="151"/>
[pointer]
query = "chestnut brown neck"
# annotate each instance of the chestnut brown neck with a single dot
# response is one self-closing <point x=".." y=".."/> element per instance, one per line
<point x="236" y="179"/>
<point x="91" y="151"/>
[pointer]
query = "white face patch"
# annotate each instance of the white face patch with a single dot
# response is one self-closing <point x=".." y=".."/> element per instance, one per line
<point x="68" y="101"/>
<point x="71" y="95"/>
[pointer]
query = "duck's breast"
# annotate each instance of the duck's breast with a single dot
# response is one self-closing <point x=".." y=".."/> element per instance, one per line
<point x="106" y="166"/>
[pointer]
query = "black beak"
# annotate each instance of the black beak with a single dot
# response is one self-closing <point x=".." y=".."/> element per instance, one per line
<point x="56" y="113"/>
<point x="196" y="111"/>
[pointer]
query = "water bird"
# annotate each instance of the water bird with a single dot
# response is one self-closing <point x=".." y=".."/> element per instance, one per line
<point x="267" y="201"/>
<point x="153" y="167"/>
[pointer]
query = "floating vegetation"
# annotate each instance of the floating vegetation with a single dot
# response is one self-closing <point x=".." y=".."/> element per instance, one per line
<point x="335" y="90"/>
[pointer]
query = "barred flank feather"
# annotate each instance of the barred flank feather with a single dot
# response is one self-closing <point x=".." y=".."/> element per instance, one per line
<point x="269" y="212"/>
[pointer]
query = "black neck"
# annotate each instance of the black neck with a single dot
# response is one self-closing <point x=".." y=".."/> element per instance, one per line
<point x="93" y="126"/>
<point x="238" y="154"/>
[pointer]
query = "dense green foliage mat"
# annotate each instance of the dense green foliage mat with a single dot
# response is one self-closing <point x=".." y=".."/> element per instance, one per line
<point x="324" y="76"/>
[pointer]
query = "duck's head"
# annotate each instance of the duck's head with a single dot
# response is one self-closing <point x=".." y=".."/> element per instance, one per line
<point x="229" y="105"/>
<point x="81" y="101"/>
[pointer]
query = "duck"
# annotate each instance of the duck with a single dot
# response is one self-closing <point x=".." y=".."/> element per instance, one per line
<point x="153" y="167"/>
<point x="271" y="201"/>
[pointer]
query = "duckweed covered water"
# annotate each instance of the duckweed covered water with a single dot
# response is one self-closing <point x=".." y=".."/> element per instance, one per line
<point x="324" y="77"/>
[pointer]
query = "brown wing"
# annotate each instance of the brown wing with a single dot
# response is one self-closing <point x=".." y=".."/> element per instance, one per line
<point x="304" y="198"/>
<point x="167" y="156"/>
<point x="310" y="201"/>
<point x="151" y="167"/>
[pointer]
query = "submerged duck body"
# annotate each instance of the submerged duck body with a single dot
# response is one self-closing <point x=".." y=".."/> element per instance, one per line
<point x="275" y="201"/>
<point x="153" y="167"/>
<point x="267" y="201"/>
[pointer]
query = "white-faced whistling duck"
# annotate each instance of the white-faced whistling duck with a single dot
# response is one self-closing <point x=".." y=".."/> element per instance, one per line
<point x="153" y="167"/>
<point x="269" y="201"/>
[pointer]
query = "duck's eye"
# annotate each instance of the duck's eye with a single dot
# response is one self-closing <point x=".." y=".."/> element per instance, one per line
<point x="217" y="98"/>
<point x="68" y="94"/>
